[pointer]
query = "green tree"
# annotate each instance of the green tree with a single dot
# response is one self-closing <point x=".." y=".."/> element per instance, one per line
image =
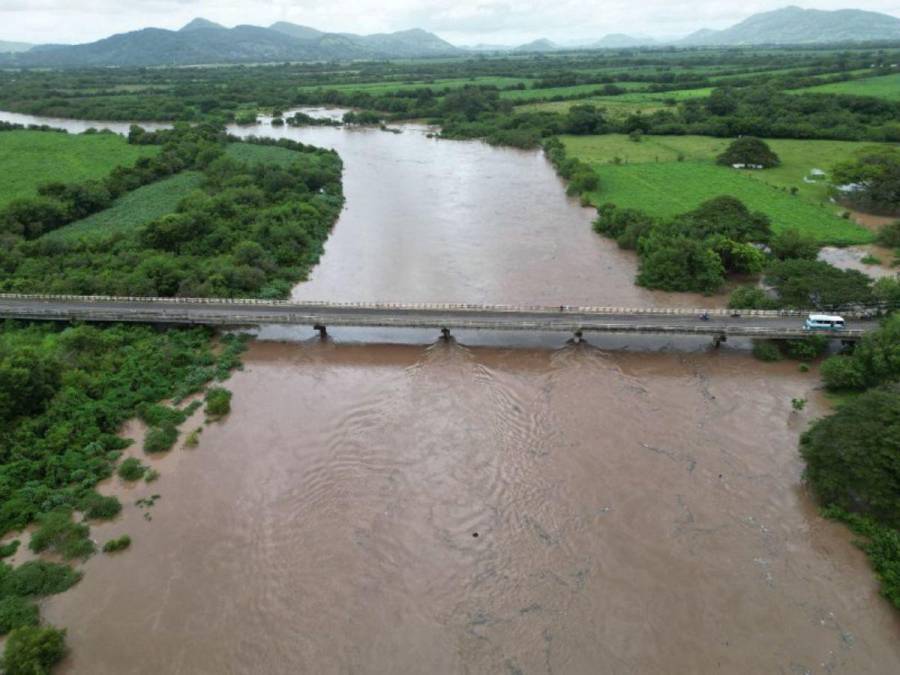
<point x="791" y="243"/>
<point x="853" y="456"/>
<point x="680" y="264"/>
<point x="28" y="380"/>
<point x="749" y="151"/>
<point x="813" y="283"/>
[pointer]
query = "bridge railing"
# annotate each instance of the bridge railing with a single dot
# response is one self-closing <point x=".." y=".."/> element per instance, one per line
<point x="558" y="324"/>
<point x="860" y="311"/>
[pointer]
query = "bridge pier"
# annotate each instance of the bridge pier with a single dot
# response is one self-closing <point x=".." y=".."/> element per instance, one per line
<point x="719" y="339"/>
<point x="323" y="331"/>
<point x="445" y="334"/>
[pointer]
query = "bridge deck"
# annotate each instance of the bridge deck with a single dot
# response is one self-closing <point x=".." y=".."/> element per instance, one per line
<point x="218" y="312"/>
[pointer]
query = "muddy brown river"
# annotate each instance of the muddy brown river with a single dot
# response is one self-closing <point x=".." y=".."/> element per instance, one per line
<point x="474" y="507"/>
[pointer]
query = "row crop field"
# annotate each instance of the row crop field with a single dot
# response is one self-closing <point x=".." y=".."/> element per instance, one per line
<point x="668" y="175"/>
<point x="133" y="209"/>
<point x="885" y="86"/>
<point x="266" y="154"/>
<point x="379" y="88"/>
<point x="31" y="158"/>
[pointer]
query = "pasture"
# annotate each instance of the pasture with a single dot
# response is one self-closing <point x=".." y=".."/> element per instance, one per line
<point x="622" y="105"/>
<point x="651" y="177"/>
<point x="884" y="86"/>
<point x="31" y="158"/>
<point x="132" y="209"/>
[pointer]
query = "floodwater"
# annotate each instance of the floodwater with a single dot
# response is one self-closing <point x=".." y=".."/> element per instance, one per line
<point x="432" y="507"/>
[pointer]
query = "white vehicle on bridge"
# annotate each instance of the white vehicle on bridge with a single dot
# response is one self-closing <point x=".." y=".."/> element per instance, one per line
<point x="824" y="322"/>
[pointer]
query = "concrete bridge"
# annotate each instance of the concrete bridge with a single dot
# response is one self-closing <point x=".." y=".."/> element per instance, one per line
<point x="576" y="321"/>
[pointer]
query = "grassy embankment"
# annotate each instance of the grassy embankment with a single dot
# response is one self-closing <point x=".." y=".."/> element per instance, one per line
<point x="31" y="158"/>
<point x="651" y="177"/>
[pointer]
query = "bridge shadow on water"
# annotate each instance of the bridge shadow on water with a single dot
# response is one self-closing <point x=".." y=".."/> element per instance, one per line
<point x="535" y="340"/>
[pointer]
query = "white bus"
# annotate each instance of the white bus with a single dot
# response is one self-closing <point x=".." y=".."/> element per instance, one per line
<point x="823" y="322"/>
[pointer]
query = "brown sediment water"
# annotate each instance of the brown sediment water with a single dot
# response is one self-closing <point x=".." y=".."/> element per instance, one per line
<point x="851" y="258"/>
<point x="637" y="509"/>
<point x="871" y="221"/>
<point x="635" y="512"/>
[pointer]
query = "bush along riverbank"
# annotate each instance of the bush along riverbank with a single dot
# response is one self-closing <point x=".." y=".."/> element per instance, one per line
<point x="64" y="394"/>
<point x="853" y="455"/>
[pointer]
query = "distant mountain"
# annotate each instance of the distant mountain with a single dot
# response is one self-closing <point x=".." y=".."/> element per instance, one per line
<point x="201" y="23"/>
<point x="793" y="25"/>
<point x="481" y="47"/>
<point x="413" y="42"/>
<point x="542" y="45"/>
<point x="619" y="40"/>
<point x="202" y="42"/>
<point x="9" y="47"/>
<point x="296" y="31"/>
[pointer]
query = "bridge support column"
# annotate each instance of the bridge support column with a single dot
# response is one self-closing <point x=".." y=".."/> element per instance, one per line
<point x="445" y="334"/>
<point x="323" y="331"/>
<point x="579" y="336"/>
<point x="719" y="339"/>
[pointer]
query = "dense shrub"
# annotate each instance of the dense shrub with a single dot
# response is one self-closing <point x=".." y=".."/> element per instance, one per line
<point x="131" y="469"/>
<point x="33" y="650"/>
<point x="160" y="439"/>
<point x="9" y="549"/>
<point x="751" y="297"/>
<point x="218" y="401"/>
<point x="98" y="506"/>
<point x="119" y="544"/>
<point x="766" y="350"/>
<point x="890" y="235"/>
<point x="875" y="360"/>
<point x="16" y="612"/>
<point x="806" y="349"/>
<point x="36" y="578"/>
<point x="57" y="532"/>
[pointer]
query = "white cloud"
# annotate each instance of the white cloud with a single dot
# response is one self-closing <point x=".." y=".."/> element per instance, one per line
<point x="460" y="21"/>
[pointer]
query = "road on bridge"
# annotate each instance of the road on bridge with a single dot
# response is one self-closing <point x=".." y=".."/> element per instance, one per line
<point x="219" y="312"/>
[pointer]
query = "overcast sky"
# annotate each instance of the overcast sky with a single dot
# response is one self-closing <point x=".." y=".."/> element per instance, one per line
<point x="459" y="21"/>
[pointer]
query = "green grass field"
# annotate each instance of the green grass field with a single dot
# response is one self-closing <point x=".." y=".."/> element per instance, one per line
<point x="30" y="158"/>
<point x="133" y="209"/>
<point x="886" y="87"/>
<point x="651" y="178"/>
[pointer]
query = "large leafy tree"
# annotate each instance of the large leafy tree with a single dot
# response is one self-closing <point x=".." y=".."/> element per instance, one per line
<point x="750" y="151"/>
<point x="875" y="176"/>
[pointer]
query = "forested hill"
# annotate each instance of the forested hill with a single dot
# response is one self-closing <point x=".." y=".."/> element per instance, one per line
<point x="794" y="25"/>
<point x="203" y="42"/>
